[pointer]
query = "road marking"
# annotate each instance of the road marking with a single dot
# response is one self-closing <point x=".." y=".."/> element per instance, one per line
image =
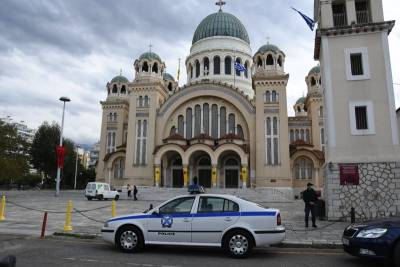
<point x="127" y="263"/>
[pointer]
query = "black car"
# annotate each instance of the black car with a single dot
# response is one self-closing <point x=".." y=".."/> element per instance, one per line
<point x="376" y="239"/>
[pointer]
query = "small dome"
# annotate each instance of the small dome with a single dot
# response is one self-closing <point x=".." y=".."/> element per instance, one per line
<point x="220" y="24"/>
<point x="315" y="70"/>
<point x="269" y="47"/>
<point x="301" y="100"/>
<point x="119" y="79"/>
<point x="168" y="77"/>
<point x="150" y="56"/>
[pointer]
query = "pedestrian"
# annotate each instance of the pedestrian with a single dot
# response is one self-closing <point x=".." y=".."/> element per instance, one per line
<point x="310" y="199"/>
<point x="135" y="190"/>
<point x="129" y="189"/>
<point x="195" y="188"/>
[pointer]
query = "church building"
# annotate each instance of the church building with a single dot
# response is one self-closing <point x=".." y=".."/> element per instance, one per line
<point x="228" y="125"/>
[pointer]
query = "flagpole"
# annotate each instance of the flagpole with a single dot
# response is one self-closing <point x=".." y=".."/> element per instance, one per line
<point x="234" y="68"/>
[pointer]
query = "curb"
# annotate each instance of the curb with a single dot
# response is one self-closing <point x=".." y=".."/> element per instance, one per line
<point x="310" y="244"/>
<point x="76" y="235"/>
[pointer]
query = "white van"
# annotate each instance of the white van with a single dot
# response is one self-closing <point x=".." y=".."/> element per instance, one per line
<point x="100" y="191"/>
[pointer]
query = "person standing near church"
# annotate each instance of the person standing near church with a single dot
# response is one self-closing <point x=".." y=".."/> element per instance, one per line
<point x="135" y="190"/>
<point x="310" y="199"/>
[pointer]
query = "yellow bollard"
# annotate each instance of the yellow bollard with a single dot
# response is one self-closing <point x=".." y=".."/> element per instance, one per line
<point x="67" y="225"/>
<point x="113" y="213"/>
<point x="3" y="208"/>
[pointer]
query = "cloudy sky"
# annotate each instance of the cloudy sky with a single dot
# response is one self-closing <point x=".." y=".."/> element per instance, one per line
<point x="54" y="48"/>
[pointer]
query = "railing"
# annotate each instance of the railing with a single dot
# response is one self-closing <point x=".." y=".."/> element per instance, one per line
<point x="363" y="16"/>
<point x="339" y="19"/>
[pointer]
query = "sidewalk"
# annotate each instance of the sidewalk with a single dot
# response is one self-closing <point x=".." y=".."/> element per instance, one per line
<point x="20" y="220"/>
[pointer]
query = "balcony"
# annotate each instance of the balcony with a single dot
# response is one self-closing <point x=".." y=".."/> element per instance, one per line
<point x="363" y="17"/>
<point x="339" y="19"/>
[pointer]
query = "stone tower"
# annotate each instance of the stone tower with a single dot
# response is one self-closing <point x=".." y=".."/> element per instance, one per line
<point x="270" y="81"/>
<point x="362" y="150"/>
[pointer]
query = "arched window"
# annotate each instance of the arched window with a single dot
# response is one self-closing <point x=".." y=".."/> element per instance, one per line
<point x="228" y="65"/>
<point x="191" y="71"/>
<point x="206" y="66"/>
<point x="231" y="162"/>
<point x="291" y="136"/>
<point x="115" y="89"/>
<point x="238" y="61"/>
<point x="145" y="67"/>
<point x="270" y="60"/>
<point x="189" y="123"/>
<point x="214" y="121"/>
<point x="206" y="118"/>
<point x="217" y="65"/>
<point x="308" y="136"/>
<point x="302" y="134"/>
<point x="322" y="133"/>
<point x="246" y="71"/>
<point x="222" y="121"/>
<point x="321" y="111"/>
<point x="275" y="126"/>
<point x="172" y="131"/>
<point x="197" y="120"/>
<point x="170" y="86"/>
<point x="313" y="82"/>
<point x="205" y="161"/>
<point x="231" y="123"/>
<point x="155" y="68"/>
<point x="298" y="109"/>
<point x="197" y="64"/>
<point x="303" y="169"/>
<point x="123" y="89"/>
<point x="180" y="125"/>
<point x="140" y="101"/>
<point x="115" y="116"/>
<point x="240" y="131"/>
<point x="268" y="96"/>
<point x="273" y="96"/>
<point x="280" y="61"/>
<point x="296" y="135"/>
<point x="146" y="101"/>
<point x="259" y="62"/>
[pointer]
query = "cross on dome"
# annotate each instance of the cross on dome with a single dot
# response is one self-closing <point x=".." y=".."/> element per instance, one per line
<point x="220" y="3"/>
<point x="150" y="46"/>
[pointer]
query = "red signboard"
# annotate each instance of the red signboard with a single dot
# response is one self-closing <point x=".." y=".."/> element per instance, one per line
<point x="349" y="174"/>
<point x="60" y="156"/>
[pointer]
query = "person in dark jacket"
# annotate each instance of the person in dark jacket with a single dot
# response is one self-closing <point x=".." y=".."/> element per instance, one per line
<point x="135" y="190"/>
<point x="310" y="199"/>
<point x="195" y="188"/>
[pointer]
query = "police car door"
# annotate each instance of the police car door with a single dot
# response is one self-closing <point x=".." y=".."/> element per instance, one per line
<point x="214" y="215"/>
<point x="173" y="222"/>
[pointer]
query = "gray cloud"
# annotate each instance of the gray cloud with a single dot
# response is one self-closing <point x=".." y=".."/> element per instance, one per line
<point x="73" y="47"/>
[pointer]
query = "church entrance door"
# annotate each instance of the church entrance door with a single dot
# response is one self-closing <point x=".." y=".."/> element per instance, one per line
<point x="177" y="178"/>
<point x="231" y="178"/>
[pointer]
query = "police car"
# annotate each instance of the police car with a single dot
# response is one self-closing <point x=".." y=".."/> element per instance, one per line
<point x="211" y="220"/>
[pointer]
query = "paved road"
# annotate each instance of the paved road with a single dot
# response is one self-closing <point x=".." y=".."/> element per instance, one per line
<point x="94" y="253"/>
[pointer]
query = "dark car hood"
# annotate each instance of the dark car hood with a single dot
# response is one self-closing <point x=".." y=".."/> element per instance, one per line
<point x="384" y="222"/>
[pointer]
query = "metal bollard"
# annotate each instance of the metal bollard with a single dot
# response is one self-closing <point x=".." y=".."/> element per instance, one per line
<point x="67" y="225"/>
<point x="43" y="233"/>
<point x="113" y="212"/>
<point x="3" y="208"/>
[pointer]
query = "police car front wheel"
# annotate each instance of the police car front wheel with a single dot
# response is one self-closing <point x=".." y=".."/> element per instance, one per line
<point x="238" y="243"/>
<point x="129" y="239"/>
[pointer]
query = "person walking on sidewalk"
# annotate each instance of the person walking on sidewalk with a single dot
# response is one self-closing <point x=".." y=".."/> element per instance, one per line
<point x="134" y="192"/>
<point x="310" y="199"/>
<point x="129" y="189"/>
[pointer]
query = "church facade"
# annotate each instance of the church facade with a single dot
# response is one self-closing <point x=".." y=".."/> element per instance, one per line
<point x="228" y="127"/>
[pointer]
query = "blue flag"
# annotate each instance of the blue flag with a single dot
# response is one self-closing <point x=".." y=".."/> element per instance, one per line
<point x="310" y="22"/>
<point x="239" y="67"/>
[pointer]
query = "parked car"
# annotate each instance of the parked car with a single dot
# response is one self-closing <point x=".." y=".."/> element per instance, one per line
<point x="376" y="239"/>
<point x="100" y="191"/>
<point x="211" y="220"/>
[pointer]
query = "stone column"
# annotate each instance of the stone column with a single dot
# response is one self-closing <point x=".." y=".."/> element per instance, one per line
<point x="185" y="176"/>
<point x="157" y="175"/>
<point x="214" y="176"/>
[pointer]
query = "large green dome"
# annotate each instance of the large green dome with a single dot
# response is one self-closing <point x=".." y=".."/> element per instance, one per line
<point x="220" y="24"/>
<point x="150" y="56"/>
<point x="315" y="70"/>
<point x="301" y="100"/>
<point x="269" y="48"/>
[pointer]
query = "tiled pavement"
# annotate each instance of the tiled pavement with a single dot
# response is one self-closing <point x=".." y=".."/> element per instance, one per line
<point x="24" y="213"/>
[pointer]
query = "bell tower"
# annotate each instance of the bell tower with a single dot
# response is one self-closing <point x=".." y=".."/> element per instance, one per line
<point x="362" y="150"/>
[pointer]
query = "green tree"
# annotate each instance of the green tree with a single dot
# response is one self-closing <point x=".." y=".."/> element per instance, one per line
<point x="44" y="155"/>
<point x="13" y="154"/>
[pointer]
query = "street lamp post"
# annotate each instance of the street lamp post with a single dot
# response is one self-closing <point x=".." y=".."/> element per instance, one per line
<point x="76" y="166"/>
<point x="63" y="99"/>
